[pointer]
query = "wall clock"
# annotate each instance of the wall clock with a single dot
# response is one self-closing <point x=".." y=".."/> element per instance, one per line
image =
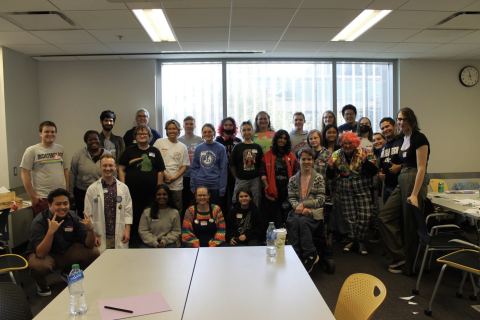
<point x="469" y="76"/>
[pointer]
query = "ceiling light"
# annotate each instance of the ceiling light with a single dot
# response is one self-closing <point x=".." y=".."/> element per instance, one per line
<point x="155" y="24"/>
<point x="364" y="21"/>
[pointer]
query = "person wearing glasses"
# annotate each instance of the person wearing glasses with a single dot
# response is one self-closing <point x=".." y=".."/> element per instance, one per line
<point x="141" y="169"/>
<point x="141" y="117"/>
<point x="349" y="113"/>
<point x="355" y="168"/>
<point x="412" y="186"/>
<point x="328" y="118"/>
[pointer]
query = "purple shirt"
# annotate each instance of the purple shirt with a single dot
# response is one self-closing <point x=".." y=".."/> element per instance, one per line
<point x="110" y="207"/>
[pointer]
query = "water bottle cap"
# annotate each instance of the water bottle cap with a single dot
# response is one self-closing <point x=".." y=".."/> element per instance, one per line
<point x="75" y="266"/>
<point x="271" y="223"/>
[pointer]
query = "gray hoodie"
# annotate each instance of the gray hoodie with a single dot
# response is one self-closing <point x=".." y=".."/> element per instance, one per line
<point x="83" y="171"/>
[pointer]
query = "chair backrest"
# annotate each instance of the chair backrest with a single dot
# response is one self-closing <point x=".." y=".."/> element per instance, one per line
<point x="13" y="302"/>
<point x="434" y="184"/>
<point x="422" y="228"/>
<point x="356" y="300"/>
<point x="4" y="234"/>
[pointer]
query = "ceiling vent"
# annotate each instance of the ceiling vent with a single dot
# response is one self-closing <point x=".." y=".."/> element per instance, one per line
<point x="39" y="20"/>
<point x="466" y="20"/>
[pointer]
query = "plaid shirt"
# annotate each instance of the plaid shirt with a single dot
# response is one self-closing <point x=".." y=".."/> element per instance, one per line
<point x="110" y="207"/>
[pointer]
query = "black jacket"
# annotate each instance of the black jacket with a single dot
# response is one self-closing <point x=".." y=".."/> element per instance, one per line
<point x="235" y="224"/>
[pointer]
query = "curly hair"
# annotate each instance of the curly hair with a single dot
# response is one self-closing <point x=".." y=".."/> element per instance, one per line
<point x="222" y="123"/>
<point x="288" y="145"/>
<point x="89" y="132"/>
<point x="351" y="137"/>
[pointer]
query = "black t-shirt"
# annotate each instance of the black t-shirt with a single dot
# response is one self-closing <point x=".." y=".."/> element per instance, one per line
<point x="69" y="232"/>
<point x="247" y="158"/>
<point x="391" y="152"/>
<point x="141" y="170"/>
<point x="281" y="172"/>
<point x="96" y="158"/>
<point x="409" y="156"/>
<point x="228" y="144"/>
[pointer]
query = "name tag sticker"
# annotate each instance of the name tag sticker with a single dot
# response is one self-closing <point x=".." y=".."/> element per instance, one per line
<point x="254" y="151"/>
<point x="203" y="223"/>
<point x="322" y="164"/>
<point x="68" y="229"/>
<point x="239" y="216"/>
<point x="405" y="154"/>
<point x="105" y="190"/>
<point x="151" y="154"/>
<point x="154" y="219"/>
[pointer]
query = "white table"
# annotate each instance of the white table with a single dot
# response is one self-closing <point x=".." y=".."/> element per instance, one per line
<point x="123" y="273"/>
<point x="242" y="283"/>
<point x="446" y="201"/>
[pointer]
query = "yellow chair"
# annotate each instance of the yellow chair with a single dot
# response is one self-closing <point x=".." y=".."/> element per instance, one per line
<point x="434" y="184"/>
<point x="356" y="300"/>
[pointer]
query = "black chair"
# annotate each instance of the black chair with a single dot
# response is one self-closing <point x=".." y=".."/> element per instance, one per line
<point x="13" y="302"/>
<point x="468" y="261"/>
<point x="433" y="241"/>
<point x="9" y="262"/>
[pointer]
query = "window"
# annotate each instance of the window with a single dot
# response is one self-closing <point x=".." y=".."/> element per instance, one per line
<point x="279" y="88"/>
<point x="193" y="89"/>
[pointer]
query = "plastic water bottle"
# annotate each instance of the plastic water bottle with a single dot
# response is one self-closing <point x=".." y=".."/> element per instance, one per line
<point x="77" y="291"/>
<point x="271" y="236"/>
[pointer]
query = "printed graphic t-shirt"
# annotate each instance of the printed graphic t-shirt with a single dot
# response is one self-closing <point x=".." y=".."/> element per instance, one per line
<point x="246" y="158"/>
<point x="175" y="156"/>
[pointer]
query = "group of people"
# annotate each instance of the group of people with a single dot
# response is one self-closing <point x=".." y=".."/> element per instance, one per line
<point x="221" y="190"/>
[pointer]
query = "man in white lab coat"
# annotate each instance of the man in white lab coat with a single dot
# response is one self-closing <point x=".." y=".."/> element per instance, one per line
<point x="109" y="203"/>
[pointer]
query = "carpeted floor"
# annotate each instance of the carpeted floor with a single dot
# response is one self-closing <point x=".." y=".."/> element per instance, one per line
<point x="447" y="306"/>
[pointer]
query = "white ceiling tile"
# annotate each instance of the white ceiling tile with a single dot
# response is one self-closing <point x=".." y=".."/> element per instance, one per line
<point x="191" y="4"/>
<point x="198" y="18"/>
<point x="354" y="54"/>
<point x="107" y="57"/>
<point x="26" y="5"/>
<point x="141" y="57"/>
<point x="438" y="36"/>
<point x="67" y="36"/>
<point x="311" y="34"/>
<point x="433" y="56"/>
<point x="387" y="35"/>
<point x="473" y="37"/>
<point x="464" y="56"/>
<point x="7" y="26"/>
<point x="201" y="34"/>
<point x="386" y="4"/>
<point x="252" y="45"/>
<point x="256" y="33"/>
<point x="86" y="48"/>
<point x="36" y="48"/>
<point x="41" y="21"/>
<point x="333" y="46"/>
<point x="55" y="58"/>
<point x="205" y="46"/>
<point x="206" y="56"/>
<point x="128" y="35"/>
<point x="367" y="46"/>
<point x="132" y="47"/>
<point x="104" y="19"/>
<point x="412" y="47"/>
<point x="293" y="46"/>
<point x="246" y="17"/>
<point x="473" y="7"/>
<point x="324" y="54"/>
<point x="19" y="37"/>
<point x="336" y="4"/>
<point x="394" y="55"/>
<point x="412" y="19"/>
<point x="324" y="18"/>
<point x="168" y="46"/>
<point x="455" y="48"/>
<point x="267" y="4"/>
<point x="437" y="5"/>
<point x="87" y="5"/>
<point x="291" y="54"/>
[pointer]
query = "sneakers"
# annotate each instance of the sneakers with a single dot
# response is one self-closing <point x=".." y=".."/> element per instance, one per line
<point x="348" y="247"/>
<point x="310" y="262"/>
<point x="44" y="292"/>
<point x="396" y="266"/>
<point x="361" y="249"/>
<point x="344" y="238"/>
<point x="64" y="275"/>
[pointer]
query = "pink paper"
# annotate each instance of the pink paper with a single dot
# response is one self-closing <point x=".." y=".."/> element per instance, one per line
<point x="140" y="305"/>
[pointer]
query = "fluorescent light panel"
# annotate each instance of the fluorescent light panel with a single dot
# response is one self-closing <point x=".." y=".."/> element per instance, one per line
<point x="364" y="21"/>
<point x="155" y="24"/>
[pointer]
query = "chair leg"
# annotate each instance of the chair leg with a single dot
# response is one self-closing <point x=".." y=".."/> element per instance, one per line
<point x="421" y="270"/>
<point x="464" y="277"/>
<point x="474" y="296"/>
<point x="416" y="258"/>
<point x="12" y="277"/>
<point x="430" y="262"/>
<point x="428" y="312"/>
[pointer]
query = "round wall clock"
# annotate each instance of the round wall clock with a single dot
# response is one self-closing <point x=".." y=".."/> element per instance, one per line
<point x="469" y="76"/>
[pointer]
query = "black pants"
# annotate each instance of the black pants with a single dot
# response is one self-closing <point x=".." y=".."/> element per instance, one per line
<point x="79" y="196"/>
<point x="187" y="197"/>
<point x="138" y="206"/>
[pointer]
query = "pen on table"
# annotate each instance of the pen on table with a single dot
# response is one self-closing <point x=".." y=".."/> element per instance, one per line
<point x="118" y="309"/>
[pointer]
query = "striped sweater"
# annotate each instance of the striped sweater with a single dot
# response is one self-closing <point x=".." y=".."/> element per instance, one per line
<point x="188" y="237"/>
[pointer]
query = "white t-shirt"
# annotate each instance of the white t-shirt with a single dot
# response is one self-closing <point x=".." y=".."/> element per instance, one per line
<point x="366" y="144"/>
<point x="47" y="166"/>
<point x="175" y="156"/>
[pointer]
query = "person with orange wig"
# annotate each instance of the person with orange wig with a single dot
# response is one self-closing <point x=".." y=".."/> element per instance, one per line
<point x="353" y="168"/>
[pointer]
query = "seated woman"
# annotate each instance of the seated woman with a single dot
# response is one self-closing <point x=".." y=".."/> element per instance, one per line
<point x="203" y="225"/>
<point x="244" y="224"/>
<point x="306" y="193"/>
<point x="355" y="168"/>
<point x="160" y="225"/>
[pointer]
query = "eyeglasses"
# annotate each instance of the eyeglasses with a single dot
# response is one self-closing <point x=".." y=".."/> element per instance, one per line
<point x="402" y="119"/>
<point x="263" y="119"/>
<point x="142" y="116"/>
<point x="142" y="134"/>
